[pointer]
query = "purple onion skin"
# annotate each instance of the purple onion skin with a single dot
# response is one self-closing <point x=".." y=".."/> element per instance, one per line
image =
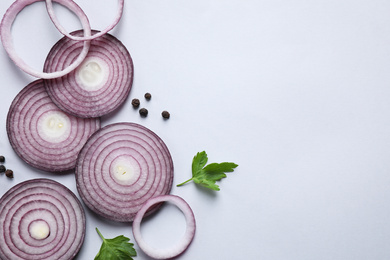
<point x="96" y="184"/>
<point x="46" y="198"/>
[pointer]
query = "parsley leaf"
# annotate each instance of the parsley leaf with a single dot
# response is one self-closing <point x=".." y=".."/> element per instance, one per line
<point x="207" y="175"/>
<point x="117" y="248"/>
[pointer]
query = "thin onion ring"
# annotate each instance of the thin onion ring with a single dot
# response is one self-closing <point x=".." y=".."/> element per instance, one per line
<point x="61" y="29"/>
<point x="6" y="37"/>
<point x="188" y="235"/>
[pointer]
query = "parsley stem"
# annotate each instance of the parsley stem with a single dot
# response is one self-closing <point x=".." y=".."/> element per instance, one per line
<point x="100" y="234"/>
<point x="181" y="184"/>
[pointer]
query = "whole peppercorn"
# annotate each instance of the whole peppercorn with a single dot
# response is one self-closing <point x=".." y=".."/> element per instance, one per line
<point x="143" y="112"/>
<point x="135" y="103"/>
<point x="9" y="173"/>
<point x="165" y="114"/>
<point x="148" y="96"/>
<point x="2" y="159"/>
<point x="2" y="168"/>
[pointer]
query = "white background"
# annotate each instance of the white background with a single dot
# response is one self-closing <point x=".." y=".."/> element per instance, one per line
<point x="295" y="92"/>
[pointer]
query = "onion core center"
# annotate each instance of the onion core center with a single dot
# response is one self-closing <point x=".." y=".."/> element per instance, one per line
<point x="123" y="171"/>
<point x="39" y="229"/>
<point x="92" y="74"/>
<point x="53" y="126"/>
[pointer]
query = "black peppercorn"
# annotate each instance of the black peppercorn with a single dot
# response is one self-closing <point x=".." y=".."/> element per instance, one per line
<point x="2" y="168"/>
<point x="143" y="112"/>
<point x="135" y="102"/>
<point x="165" y="114"/>
<point x="2" y="159"/>
<point x="148" y="96"/>
<point x="9" y="173"/>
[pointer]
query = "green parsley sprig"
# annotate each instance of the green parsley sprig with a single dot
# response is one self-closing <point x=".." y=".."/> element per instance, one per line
<point x="207" y="175"/>
<point x="117" y="248"/>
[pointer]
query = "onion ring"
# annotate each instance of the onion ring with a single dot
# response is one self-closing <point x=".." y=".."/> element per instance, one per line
<point x="40" y="219"/>
<point x="53" y="17"/>
<point x="6" y="38"/>
<point x="180" y="247"/>
<point x="121" y="166"/>
<point x="43" y="135"/>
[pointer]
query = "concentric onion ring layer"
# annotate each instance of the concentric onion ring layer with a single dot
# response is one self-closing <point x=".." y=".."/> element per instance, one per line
<point x="176" y="249"/>
<point x="128" y="147"/>
<point x="71" y="96"/>
<point x="29" y="112"/>
<point x="53" y="17"/>
<point x="40" y="200"/>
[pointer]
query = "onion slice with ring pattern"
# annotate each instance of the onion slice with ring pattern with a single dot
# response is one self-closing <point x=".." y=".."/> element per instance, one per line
<point x="40" y="219"/>
<point x="43" y="135"/>
<point x="120" y="167"/>
<point x="99" y="85"/>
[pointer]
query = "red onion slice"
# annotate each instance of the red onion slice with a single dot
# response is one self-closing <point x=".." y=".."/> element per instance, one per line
<point x="120" y="167"/>
<point x="43" y="135"/>
<point x="40" y="219"/>
<point x="6" y="38"/>
<point x="180" y="247"/>
<point x="53" y="17"/>
<point x="99" y="85"/>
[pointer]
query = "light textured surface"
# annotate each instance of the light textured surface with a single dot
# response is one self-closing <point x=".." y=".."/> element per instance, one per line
<point x="295" y="92"/>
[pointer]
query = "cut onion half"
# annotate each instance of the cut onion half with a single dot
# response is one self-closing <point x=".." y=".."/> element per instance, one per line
<point x="99" y="85"/>
<point x="182" y="245"/>
<point x="57" y="24"/>
<point x="120" y="167"/>
<point x="40" y="219"/>
<point x="6" y="38"/>
<point x="43" y="135"/>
